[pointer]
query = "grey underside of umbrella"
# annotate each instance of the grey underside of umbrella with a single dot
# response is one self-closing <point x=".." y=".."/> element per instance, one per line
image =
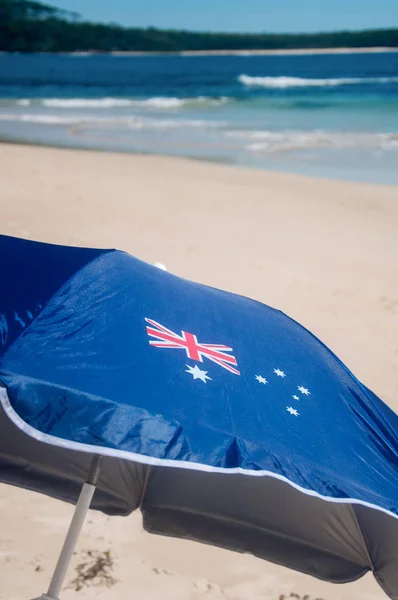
<point x="337" y="542"/>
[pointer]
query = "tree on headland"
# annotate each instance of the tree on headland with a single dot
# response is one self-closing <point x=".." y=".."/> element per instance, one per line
<point x="31" y="26"/>
<point x="29" y="10"/>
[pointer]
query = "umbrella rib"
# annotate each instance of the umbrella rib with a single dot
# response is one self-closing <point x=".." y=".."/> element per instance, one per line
<point x="365" y="545"/>
<point x="145" y="484"/>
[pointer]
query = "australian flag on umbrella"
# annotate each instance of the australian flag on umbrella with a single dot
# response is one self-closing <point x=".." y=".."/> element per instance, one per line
<point x="104" y="353"/>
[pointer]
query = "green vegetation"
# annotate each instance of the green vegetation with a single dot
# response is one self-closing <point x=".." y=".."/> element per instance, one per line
<point x="28" y="26"/>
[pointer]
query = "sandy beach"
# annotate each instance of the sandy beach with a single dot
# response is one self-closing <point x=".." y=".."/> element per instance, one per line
<point x="281" y="52"/>
<point x="325" y="252"/>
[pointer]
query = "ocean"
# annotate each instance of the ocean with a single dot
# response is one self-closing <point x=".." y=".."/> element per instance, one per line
<point x="328" y="115"/>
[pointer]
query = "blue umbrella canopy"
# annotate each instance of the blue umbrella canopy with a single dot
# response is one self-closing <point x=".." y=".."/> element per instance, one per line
<point x="272" y="446"/>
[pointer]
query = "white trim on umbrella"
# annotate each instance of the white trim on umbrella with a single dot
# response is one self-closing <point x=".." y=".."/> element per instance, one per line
<point x="162" y="462"/>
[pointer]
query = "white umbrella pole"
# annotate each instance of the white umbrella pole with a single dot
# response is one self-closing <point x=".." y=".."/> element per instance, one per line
<point x="75" y="527"/>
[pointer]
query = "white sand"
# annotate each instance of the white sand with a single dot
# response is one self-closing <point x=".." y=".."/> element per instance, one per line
<point x="324" y="252"/>
<point x="282" y="52"/>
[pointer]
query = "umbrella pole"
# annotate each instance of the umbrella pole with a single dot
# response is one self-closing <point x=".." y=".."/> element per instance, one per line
<point x="75" y="527"/>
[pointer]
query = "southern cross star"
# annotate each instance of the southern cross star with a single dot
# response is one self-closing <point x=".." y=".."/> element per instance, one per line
<point x="279" y="373"/>
<point x="261" y="379"/>
<point x="197" y="373"/>
<point x="295" y="397"/>
<point x="303" y="390"/>
<point x="292" y="411"/>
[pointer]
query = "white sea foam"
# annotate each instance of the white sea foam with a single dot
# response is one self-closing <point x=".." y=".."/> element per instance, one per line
<point x="23" y="102"/>
<point x="45" y="119"/>
<point x="130" y="122"/>
<point x="390" y="141"/>
<point x="165" y="102"/>
<point x="257" y="141"/>
<point x="283" y="82"/>
<point x="158" y="102"/>
<point x="143" y="123"/>
<point x="285" y="141"/>
<point x="40" y="119"/>
<point x="85" y="102"/>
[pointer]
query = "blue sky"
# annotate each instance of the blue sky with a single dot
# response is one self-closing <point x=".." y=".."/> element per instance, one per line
<point x="240" y="15"/>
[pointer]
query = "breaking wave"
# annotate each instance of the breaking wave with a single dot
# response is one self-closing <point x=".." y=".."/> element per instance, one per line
<point x="155" y="102"/>
<point x="283" y="82"/>
<point x="85" y="103"/>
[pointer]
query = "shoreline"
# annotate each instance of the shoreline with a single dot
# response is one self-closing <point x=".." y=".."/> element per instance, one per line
<point x="243" y="52"/>
<point x="276" y="52"/>
<point x="294" y="51"/>
<point x="193" y="159"/>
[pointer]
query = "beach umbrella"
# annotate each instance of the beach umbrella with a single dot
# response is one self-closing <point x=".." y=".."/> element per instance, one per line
<point x="221" y="418"/>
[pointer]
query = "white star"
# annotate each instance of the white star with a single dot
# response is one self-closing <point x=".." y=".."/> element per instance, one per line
<point x="303" y="390"/>
<point x="261" y="379"/>
<point x="279" y="373"/>
<point x="295" y="397"/>
<point x="197" y="373"/>
<point x="292" y="411"/>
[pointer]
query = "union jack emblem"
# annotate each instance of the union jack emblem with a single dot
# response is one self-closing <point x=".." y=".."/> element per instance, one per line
<point x="165" y="338"/>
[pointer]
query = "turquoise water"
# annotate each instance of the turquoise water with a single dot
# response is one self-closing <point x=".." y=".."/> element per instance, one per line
<point x="333" y="115"/>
